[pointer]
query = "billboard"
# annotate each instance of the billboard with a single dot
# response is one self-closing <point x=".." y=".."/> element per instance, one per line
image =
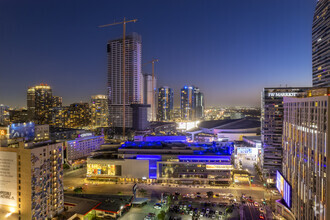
<point x="247" y="150"/>
<point x="218" y="167"/>
<point x="22" y="130"/>
<point x="284" y="188"/>
<point x="8" y="178"/>
<point x="3" y="133"/>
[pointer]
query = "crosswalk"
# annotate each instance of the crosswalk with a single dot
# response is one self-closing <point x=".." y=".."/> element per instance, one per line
<point x="249" y="204"/>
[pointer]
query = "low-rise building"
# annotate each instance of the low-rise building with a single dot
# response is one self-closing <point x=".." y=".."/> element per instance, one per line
<point x="89" y="206"/>
<point x="58" y="133"/>
<point x="181" y="163"/>
<point x="41" y="132"/>
<point x="82" y="146"/>
<point x="228" y="129"/>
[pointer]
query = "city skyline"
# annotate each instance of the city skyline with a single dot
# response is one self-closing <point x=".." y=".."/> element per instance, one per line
<point x="268" y="52"/>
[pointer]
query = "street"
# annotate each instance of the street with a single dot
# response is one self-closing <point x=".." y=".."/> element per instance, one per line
<point x="76" y="178"/>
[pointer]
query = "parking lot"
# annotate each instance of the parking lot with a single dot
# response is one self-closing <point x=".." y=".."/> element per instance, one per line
<point x="203" y="206"/>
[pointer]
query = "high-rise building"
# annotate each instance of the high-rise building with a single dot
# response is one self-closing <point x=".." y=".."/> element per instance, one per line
<point x="57" y="101"/>
<point x="192" y="103"/>
<point x="39" y="103"/>
<point x="133" y="78"/>
<point x="271" y="128"/>
<point x="4" y="115"/>
<point x="165" y="104"/>
<point x="200" y="106"/>
<point x="18" y="115"/>
<point x="99" y="110"/>
<point x="187" y="103"/>
<point x="79" y="115"/>
<point x="60" y="117"/>
<point x="306" y="151"/>
<point x="321" y="45"/>
<point x="31" y="177"/>
<point x="140" y="116"/>
<point x="149" y="95"/>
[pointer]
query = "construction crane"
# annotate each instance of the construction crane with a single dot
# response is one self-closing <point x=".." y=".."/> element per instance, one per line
<point x="124" y="22"/>
<point x="153" y="85"/>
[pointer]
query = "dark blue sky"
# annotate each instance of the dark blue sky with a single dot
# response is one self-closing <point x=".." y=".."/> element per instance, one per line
<point x="231" y="49"/>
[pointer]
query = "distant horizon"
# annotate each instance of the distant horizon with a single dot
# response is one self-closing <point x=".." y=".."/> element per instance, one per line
<point x="229" y="52"/>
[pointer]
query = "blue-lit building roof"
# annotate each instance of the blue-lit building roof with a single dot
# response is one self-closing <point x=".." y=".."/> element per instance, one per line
<point x="195" y="148"/>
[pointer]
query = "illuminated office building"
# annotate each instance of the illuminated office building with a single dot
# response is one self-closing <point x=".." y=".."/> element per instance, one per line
<point x="18" y="115"/>
<point x="305" y="153"/>
<point x="271" y="128"/>
<point x="192" y="103"/>
<point x="57" y="101"/>
<point x="60" y="117"/>
<point x="32" y="180"/>
<point x="40" y="102"/>
<point x="199" y="97"/>
<point x="41" y="133"/>
<point x="99" y="111"/>
<point x="165" y="104"/>
<point x="133" y="78"/>
<point x="321" y="45"/>
<point x="149" y="95"/>
<point x="4" y="115"/>
<point x="79" y="115"/>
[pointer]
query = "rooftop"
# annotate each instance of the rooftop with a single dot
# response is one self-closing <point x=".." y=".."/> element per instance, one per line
<point x="253" y="138"/>
<point x="228" y="124"/>
<point x="152" y="148"/>
<point x="107" y="203"/>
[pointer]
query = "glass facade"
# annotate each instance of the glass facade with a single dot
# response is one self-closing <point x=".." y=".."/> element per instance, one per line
<point x="272" y="127"/>
<point x="321" y="44"/>
<point x="192" y="103"/>
<point x="165" y="104"/>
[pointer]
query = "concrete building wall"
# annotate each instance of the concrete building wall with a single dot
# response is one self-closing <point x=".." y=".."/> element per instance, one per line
<point x="128" y="168"/>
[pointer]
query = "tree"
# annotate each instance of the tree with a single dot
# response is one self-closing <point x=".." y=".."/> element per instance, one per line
<point x="229" y="210"/>
<point x="210" y="194"/>
<point x="78" y="190"/>
<point x="169" y="200"/>
<point x="161" y="215"/>
<point x="66" y="166"/>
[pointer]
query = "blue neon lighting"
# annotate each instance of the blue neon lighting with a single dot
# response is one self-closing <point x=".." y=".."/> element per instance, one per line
<point x="203" y="158"/>
<point x="148" y="157"/>
<point x="152" y="164"/>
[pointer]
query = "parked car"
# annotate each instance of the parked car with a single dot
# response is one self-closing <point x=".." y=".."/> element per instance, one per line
<point x="157" y="206"/>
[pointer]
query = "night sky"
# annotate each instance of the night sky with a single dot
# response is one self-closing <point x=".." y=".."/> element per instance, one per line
<point x="230" y="49"/>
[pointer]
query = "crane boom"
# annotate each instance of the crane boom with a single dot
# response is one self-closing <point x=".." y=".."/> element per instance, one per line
<point x="121" y="22"/>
